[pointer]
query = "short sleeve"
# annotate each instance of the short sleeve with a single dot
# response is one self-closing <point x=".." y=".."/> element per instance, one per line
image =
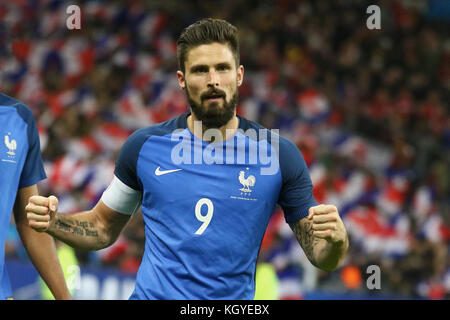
<point x="33" y="168"/>
<point x="126" y="163"/>
<point x="296" y="195"/>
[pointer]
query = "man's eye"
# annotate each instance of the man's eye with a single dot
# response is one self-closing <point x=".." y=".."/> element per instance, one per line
<point x="200" y="70"/>
<point x="222" y="68"/>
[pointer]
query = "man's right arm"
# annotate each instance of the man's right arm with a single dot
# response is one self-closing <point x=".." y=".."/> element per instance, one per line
<point x="88" y="230"/>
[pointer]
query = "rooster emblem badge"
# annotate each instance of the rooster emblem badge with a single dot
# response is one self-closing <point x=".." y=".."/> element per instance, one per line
<point x="11" y="145"/>
<point x="246" y="182"/>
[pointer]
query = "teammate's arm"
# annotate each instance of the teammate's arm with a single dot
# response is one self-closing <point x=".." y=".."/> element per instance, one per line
<point x="322" y="236"/>
<point x="95" y="229"/>
<point x="40" y="246"/>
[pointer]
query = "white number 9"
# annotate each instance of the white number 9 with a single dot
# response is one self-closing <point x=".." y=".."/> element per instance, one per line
<point x="206" y="219"/>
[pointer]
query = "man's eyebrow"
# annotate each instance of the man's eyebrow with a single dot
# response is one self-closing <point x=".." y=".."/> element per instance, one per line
<point x="205" y="66"/>
<point x="223" y="64"/>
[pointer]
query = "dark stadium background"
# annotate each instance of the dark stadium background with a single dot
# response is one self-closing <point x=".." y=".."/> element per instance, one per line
<point x="369" y="109"/>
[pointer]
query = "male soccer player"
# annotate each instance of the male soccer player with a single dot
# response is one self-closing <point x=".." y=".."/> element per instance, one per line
<point x="20" y="169"/>
<point x="205" y="204"/>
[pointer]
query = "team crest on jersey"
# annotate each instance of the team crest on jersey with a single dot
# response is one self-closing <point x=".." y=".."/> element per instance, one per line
<point x="247" y="182"/>
<point x="11" y="144"/>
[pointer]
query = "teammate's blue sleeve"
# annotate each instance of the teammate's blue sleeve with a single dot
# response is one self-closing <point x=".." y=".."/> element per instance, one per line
<point x="296" y="196"/>
<point x="126" y="163"/>
<point x="33" y="169"/>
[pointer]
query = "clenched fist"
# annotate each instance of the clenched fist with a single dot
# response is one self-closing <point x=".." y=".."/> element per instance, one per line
<point x="41" y="212"/>
<point x="327" y="223"/>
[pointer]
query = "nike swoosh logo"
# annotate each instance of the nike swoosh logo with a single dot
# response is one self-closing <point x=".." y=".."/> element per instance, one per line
<point x="160" y="173"/>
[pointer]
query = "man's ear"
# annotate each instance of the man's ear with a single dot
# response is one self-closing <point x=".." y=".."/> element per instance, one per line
<point x="181" y="81"/>
<point x="240" y="75"/>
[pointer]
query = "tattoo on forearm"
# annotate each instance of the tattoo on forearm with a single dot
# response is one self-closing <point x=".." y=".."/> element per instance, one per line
<point x="79" y="228"/>
<point x="305" y="237"/>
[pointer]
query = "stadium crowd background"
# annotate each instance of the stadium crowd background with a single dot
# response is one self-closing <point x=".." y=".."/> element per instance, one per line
<point x="369" y="109"/>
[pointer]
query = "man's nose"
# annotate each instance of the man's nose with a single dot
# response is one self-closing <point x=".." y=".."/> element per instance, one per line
<point x="213" y="79"/>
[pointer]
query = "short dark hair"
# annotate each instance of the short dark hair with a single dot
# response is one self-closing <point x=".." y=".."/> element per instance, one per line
<point x="207" y="31"/>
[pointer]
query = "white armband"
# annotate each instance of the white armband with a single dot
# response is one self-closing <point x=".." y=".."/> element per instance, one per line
<point x="121" y="198"/>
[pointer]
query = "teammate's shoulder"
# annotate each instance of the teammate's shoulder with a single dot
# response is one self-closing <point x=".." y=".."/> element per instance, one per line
<point x="23" y="111"/>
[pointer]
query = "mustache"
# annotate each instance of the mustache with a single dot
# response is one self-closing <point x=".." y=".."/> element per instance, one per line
<point x="216" y="93"/>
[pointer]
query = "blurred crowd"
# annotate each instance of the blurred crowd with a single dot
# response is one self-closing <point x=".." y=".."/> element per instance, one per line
<point x="369" y="109"/>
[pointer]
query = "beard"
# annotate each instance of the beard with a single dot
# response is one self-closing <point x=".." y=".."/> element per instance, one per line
<point x="213" y="115"/>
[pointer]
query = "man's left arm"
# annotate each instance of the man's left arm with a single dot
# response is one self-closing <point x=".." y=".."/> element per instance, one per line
<point x="40" y="246"/>
<point x="323" y="236"/>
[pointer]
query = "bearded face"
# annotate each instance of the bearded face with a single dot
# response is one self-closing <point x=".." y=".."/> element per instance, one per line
<point x="211" y="82"/>
<point x="215" y="108"/>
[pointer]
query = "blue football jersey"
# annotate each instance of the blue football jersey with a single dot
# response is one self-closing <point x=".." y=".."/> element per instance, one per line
<point x="206" y="206"/>
<point x="20" y="166"/>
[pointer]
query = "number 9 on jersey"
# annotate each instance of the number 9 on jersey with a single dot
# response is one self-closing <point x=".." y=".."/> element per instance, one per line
<point x="206" y="219"/>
